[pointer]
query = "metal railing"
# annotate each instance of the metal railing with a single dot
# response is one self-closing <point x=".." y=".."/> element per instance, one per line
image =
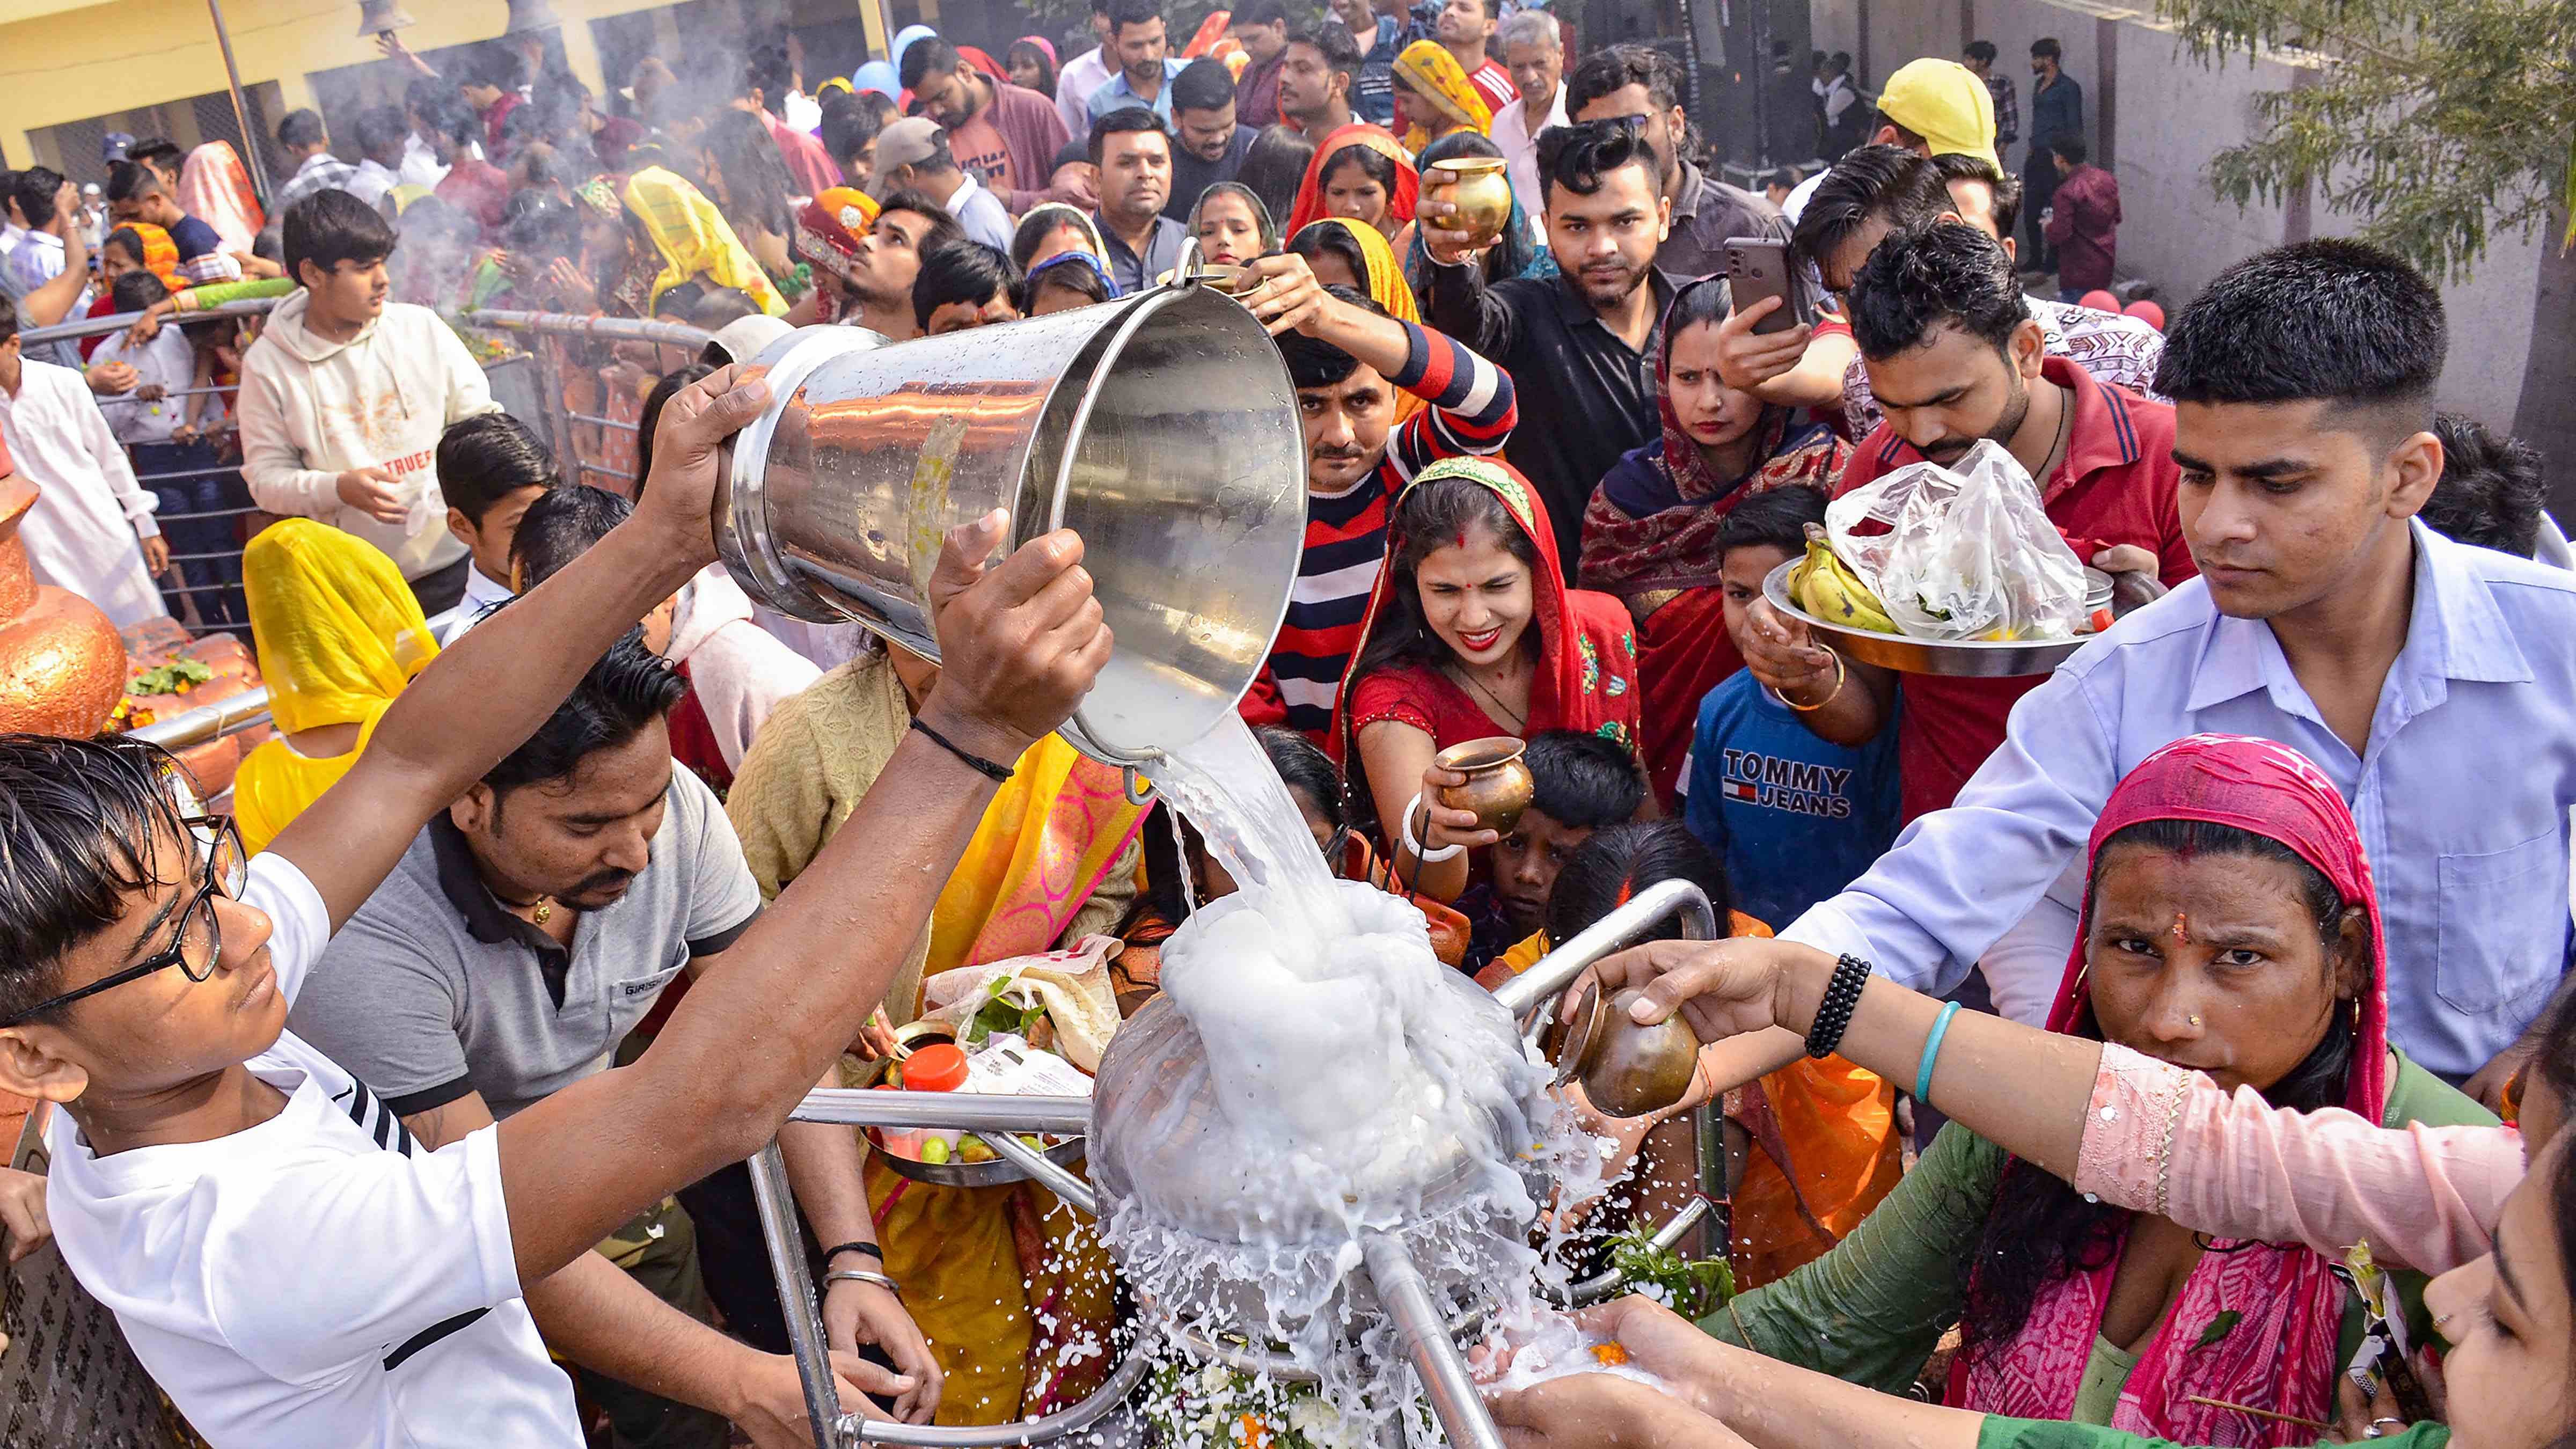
<point x="540" y="399"/>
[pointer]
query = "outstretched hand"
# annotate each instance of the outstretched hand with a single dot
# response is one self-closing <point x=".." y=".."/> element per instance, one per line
<point x="679" y="494"/>
<point x="1722" y="988"/>
<point x="1282" y="290"/>
<point x="1020" y="643"/>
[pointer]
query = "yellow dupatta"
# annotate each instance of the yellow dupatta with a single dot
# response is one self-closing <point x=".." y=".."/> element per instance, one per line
<point x="1012" y="1289"/>
<point x="694" y="239"/>
<point x="1384" y="280"/>
<point x="339" y="635"/>
<point x="1433" y="73"/>
<point x="1044" y="843"/>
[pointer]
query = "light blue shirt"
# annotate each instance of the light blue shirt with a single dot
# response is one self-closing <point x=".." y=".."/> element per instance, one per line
<point x="2462" y="795"/>
<point x="1118" y="94"/>
<point x="981" y="214"/>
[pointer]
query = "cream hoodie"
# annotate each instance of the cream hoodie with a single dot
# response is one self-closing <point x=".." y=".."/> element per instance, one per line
<point x="311" y="409"/>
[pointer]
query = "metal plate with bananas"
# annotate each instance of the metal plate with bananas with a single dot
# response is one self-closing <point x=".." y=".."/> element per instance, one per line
<point x="1969" y="658"/>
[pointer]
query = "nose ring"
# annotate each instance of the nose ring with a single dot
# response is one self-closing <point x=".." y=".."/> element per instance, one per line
<point x="2195" y="1021"/>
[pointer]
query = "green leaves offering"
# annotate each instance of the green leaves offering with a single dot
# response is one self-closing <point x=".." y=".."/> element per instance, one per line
<point x="1001" y="1013"/>
<point x="2218" y="1328"/>
<point x="1691" y="1289"/>
<point x="169" y="677"/>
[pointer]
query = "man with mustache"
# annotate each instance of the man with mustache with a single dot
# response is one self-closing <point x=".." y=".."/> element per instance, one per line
<point x="1583" y="343"/>
<point x="1350" y="361"/>
<point x="1956" y="358"/>
<point x="526" y="932"/>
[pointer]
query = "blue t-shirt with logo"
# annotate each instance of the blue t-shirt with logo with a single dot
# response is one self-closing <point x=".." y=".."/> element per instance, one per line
<point x="1795" y="818"/>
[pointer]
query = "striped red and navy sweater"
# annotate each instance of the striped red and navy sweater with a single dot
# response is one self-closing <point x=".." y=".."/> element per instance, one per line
<point x="1471" y="412"/>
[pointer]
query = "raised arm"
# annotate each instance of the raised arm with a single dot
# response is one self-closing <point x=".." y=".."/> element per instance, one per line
<point x="1020" y="644"/>
<point x="1473" y="404"/>
<point x="51" y="303"/>
<point x="492" y="688"/>
<point x="2017" y="1086"/>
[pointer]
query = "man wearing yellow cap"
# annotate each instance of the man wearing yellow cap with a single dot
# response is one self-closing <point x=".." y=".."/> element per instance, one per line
<point x="1931" y="108"/>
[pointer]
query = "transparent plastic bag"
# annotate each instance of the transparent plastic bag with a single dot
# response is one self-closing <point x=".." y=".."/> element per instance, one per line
<point x="1967" y="553"/>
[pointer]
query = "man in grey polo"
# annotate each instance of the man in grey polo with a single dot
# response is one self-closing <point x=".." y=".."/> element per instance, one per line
<point x="524" y="935"/>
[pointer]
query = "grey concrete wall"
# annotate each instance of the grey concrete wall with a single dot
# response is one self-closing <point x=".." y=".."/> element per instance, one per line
<point x="2173" y="114"/>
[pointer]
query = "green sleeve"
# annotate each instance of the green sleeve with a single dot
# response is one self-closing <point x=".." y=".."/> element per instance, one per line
<point x="216" y="294"/>
<point x="1873" y="1309"/>
<point x="1999" y="1432"/>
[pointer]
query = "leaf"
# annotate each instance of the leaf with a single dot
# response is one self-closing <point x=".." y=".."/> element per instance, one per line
<point x="2218" y="1328"/>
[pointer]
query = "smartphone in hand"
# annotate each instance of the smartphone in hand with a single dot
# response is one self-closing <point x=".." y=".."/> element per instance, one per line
<point x="1759" y="267"/>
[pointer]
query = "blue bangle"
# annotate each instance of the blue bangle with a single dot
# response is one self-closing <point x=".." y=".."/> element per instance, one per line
<point x="1932" y="1052"/>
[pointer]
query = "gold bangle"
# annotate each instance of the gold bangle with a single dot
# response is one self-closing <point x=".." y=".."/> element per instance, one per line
<point x="1840" y="674"/>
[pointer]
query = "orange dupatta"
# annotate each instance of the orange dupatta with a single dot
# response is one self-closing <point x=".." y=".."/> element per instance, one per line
<point x="1310" y="192"/>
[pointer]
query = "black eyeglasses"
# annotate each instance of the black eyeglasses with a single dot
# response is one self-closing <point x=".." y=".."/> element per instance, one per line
<point x="196" y="942"/>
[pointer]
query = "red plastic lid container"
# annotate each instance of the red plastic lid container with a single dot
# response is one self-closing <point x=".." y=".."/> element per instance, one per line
<point x="938" y="1067"/>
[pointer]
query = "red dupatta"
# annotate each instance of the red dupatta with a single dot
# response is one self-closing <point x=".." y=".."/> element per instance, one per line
<point x="2254" y="1325"/>
<point x="1587" y="666"/>
<point x="1310" y="192"/>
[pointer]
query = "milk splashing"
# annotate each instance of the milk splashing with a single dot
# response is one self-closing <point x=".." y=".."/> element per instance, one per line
<point x="1359" y="1086"/>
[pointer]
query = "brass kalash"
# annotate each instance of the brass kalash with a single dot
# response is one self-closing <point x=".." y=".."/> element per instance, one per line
<point x="1164" y="429"/>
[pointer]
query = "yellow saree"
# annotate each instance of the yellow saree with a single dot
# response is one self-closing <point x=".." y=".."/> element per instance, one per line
<point x="694" y="239"/>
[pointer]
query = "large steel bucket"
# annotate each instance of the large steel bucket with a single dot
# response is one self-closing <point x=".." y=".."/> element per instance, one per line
<point x="1163" y="428"/>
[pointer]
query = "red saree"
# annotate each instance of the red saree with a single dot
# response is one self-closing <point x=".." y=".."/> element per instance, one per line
<point x="1587" y="669"/>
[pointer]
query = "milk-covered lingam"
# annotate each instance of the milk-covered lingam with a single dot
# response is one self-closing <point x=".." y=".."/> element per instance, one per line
<point x="1320" y="1152"/>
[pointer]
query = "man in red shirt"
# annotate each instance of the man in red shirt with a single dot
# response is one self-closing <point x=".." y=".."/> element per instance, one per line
<point x="2083" y="220"/>
<point x="1007" y="135"/>
<point x="768" y="79"/>
<point x="1955" y="358"/>
<point x="1464" y="29"/>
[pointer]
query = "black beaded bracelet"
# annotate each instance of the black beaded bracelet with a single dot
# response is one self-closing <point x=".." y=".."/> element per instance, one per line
<point x="1834" y="1013"/>
<point x="871" y="1249"/>
<point x="1000" y="774"/>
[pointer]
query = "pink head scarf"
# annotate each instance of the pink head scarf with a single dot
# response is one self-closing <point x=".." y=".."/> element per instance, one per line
<point x="2277" y="1352"/>
<point x="214" y="187"/>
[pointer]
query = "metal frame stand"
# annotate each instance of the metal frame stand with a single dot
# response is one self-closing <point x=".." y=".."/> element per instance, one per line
<point x="996" y="1120"/>
<point x="1429" y="1338"/>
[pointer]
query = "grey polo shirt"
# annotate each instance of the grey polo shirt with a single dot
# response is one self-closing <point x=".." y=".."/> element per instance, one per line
<point x="433" y="990"/>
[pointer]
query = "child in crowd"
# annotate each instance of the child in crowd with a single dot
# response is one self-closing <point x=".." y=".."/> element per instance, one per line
<point x="1794" y="817"/>
<point x="164" y="421"/>
<point x="491" y="467"/>
<point x="1580" y="783"/>
<point x="964" y="284"/>
<point x="345" y="395"/>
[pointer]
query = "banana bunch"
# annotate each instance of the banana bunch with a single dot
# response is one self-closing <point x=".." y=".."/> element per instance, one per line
<point x="1827" y="590"/>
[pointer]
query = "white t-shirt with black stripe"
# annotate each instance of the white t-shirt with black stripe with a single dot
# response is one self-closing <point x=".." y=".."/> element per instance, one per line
<point x="319" y="1279"/>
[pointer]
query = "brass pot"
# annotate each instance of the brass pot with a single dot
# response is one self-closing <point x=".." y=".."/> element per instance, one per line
<point x="1480" y="190"/>
<point x="1626" y="1070"/>
<point x="1498" y="784"/>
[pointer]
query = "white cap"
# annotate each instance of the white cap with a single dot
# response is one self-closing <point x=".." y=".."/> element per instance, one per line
<point x="741" y="339"/>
